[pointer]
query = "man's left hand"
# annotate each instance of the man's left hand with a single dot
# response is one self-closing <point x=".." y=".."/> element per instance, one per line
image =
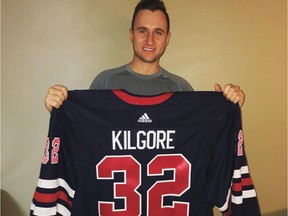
<point x="232" y="93"/>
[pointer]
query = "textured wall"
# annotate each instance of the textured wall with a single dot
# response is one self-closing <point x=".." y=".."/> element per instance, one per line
<point x="69" y="42"/>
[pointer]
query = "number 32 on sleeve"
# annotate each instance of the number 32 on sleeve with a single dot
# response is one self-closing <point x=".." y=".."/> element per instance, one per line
<point x="127" y="190"/>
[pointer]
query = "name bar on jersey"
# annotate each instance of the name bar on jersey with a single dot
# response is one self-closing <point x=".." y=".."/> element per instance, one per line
<point x="152" y="139"/>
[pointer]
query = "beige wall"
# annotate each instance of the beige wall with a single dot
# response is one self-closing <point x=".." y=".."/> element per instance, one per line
<point x="69" y="42"/>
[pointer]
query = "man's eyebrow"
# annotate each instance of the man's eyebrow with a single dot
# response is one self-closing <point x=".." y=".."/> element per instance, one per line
<point x="145" y="28"/>
<point x="141" y="27"/>
<point x="160" y="29"/>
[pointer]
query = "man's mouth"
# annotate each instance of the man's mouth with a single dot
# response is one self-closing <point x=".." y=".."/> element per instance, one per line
<point x="148" y="49"/>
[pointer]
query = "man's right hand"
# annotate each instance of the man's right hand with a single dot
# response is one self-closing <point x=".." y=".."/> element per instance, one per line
<point x="55" y="96"/>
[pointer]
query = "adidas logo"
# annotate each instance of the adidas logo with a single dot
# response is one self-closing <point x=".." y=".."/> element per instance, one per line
<point x="144" y="119"/>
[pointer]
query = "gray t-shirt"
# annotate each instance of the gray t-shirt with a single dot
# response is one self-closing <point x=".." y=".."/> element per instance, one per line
<point x="124" y="78"/>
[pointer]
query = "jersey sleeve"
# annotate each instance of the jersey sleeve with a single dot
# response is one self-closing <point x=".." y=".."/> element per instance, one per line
<point x="57" y="181"/>
<point x="241" y="196"/>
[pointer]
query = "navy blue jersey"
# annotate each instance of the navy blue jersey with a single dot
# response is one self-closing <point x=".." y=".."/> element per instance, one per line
<point x="111" y="153"/>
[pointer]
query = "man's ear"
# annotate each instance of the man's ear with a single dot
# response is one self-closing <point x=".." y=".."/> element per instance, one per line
<point x="131" y="34"/>
<point x="168" y="38"/>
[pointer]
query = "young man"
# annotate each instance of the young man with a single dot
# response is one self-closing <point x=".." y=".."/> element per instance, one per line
<point x="149" y="35"/>
<point x="147" y="190"/>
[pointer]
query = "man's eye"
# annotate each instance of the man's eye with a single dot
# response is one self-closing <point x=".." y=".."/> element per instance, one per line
<point x="159" y="32"/>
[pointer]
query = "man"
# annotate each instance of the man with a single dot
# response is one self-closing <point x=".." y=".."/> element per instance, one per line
<point x="149" y="35"/>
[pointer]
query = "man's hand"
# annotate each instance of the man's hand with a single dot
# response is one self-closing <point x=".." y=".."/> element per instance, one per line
<point x="55" y="97"/>
<point x="232" y="93"/>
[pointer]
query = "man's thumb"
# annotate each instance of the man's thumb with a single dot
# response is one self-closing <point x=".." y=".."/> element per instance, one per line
<point x="217" y="87"/>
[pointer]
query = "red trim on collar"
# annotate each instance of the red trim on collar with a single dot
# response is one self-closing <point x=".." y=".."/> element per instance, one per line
<point x="142" y="100"/>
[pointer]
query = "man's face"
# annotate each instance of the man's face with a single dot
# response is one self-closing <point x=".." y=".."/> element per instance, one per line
<point x="149" y="36"/>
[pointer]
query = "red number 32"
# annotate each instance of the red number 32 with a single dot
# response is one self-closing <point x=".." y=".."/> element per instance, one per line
<point x="127" y="190"/>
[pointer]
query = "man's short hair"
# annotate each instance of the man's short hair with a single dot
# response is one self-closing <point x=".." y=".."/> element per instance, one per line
<point x="151" y="5"/>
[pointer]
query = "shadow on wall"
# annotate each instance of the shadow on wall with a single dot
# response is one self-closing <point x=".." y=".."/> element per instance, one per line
<point x="277" y="213"/>
<point x="9" y="206"/>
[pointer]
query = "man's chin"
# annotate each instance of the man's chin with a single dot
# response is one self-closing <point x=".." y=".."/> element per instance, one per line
<point x="150" y="60"/>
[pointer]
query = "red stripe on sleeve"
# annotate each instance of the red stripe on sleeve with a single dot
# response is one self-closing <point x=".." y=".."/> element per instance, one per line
<point x="244" y="182"/>
<point x="50" y="198"/>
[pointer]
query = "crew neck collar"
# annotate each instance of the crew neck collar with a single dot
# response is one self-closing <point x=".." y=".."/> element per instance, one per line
<point x="141" y="100"/>
<point x="157" y="74"/>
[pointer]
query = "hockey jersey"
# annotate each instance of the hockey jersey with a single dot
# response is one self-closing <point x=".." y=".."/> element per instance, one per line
<point x="112" y="153"/>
